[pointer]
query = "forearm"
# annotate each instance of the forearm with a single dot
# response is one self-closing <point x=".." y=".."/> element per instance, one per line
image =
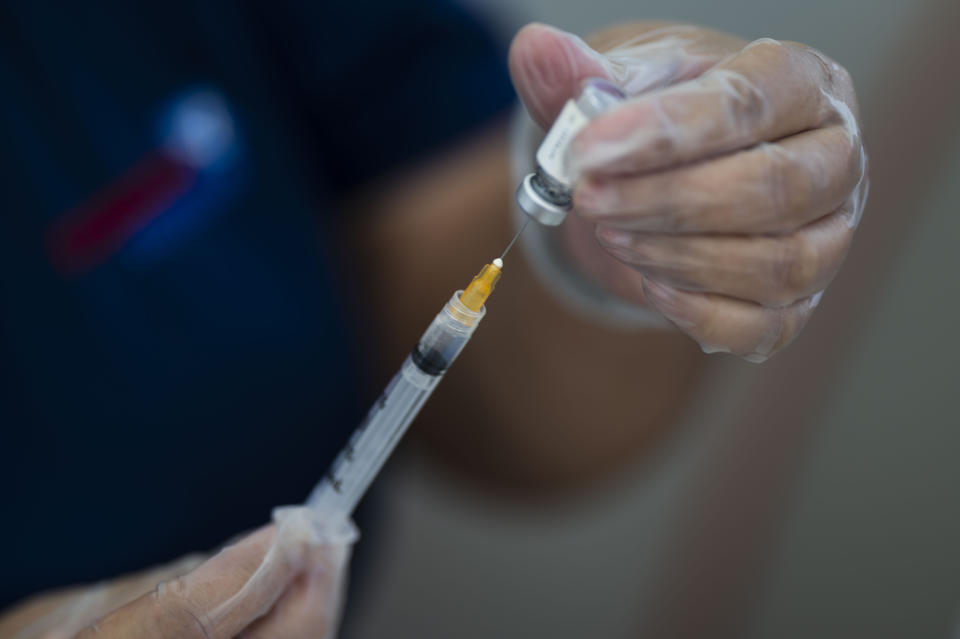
<point x="540" y="397"/>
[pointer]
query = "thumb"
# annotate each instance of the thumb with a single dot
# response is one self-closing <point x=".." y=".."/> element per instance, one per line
<point x="214" y="601"/>
<point x="547" y="66"/>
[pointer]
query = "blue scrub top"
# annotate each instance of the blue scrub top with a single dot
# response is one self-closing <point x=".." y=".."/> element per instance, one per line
<point x="174" y="351"/>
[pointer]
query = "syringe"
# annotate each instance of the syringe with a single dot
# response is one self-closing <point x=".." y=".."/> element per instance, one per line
<point x="545" y="196"/>
<point x="361" y="459"/>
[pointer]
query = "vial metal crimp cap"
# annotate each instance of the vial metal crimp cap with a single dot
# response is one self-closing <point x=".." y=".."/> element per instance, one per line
<point x="546" y="205"/>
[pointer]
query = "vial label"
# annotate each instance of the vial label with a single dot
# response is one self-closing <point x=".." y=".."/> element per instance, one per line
<point x="551" y="156"/>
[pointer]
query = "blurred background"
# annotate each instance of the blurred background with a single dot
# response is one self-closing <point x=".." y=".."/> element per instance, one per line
<point x="816" y="495"/>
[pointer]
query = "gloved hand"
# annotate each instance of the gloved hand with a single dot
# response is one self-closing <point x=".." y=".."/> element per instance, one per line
<point x="283" y="580"/>
<point x="730" y="182"/>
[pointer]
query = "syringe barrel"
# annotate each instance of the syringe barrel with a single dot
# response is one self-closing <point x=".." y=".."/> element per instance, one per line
<point x="361" y="459"/>
<point x="446" y="336"/>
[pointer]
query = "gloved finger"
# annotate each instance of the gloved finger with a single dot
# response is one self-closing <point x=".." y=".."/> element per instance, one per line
<point x="187" y="606"/>
<point x="577" y="241"/>
<point x="766" y="92"/>
<point x="773" y="270"/>
<point x="321" y="544"/>
<point x="292" y="616"/>
<point x="724" y="324"/>
<point x="61" y="614"/>
<point x="774" y="187"/>
<point x="548" y="65"/>
<point x="311" y="606"/>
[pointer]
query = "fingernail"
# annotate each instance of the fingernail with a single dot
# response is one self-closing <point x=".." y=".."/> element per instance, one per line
<point x="615" y="237"/>
<point x="668" y="301"/>
<point x="657" y="290"/>
<point x="574" y="39"/>
<point x="710" y="349"/>
<point x="645" y="67"/>
<point x="815" y="300"/>
<point x="593" y="196"/>
<point x="635" y="248"/>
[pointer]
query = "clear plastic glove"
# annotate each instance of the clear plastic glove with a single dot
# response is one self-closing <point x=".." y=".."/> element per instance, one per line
<point x="283" y="580"/>
<point x="731" y="182"/>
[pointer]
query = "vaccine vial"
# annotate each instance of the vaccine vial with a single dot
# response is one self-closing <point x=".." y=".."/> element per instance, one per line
<point x="546" y="194"/>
